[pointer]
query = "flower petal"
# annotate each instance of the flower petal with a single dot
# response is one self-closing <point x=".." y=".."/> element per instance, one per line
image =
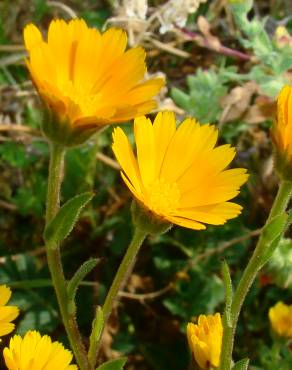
<point x="189" y="143"/>
<point x="146" y="150"/>
<point x="123" y="151"/>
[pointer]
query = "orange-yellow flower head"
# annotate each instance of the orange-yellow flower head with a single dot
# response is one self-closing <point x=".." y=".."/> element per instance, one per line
<point x="280" y="317"/>
<point x="179" y="175"/>
<point x="7" y="313"/>
<point x="205" y="340"/>
<point x="88" y="79"/>
<point x="281" y="133"/>
<point x="36" y="352"/>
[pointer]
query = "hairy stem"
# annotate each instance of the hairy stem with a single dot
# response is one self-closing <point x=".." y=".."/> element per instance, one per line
<point x="253" y="267"/>
<point x="54" y="257"/>
<point x="120" y="279"/>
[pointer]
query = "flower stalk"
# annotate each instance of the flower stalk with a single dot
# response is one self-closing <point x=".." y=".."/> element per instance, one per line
<point x="120" y="279"/>
<point x="56" y="167"/>
<point x="253" y="267"/>
<point x="125" y="268"/>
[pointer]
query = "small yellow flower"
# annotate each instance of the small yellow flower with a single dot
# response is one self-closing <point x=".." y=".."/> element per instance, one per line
<point x="7" y="313"/>
<point x="36" y="352"/>
<point x="205" y="340"/>
<point x="280" y="317"/>
<point x="281" y="133"/>
<point x="88" y="79"/>
<point x="178" y="175"/>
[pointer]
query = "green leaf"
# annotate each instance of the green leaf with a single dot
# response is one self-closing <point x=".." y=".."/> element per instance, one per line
<point x="97" y="327"/>
<point x="79" y="275"/>
<point x="241" y="6"/>
<point x="205" y="91"/>
<point x="241" y="365"/>
<point x="289" y="218"/>
<point x="272" y="233"/>
<point x="228" y="292"/>
<point x="38" y="306"/>
<point x="279" y="265"/>
<point x="62" y="224"/>
<point x="200" y="294"/>
<point x="117" y="364"/>
<point x="97" y="324"/>
<point x="14" y="154"/>
<point x="181" y="98"/>
<point x="275" y="227"/>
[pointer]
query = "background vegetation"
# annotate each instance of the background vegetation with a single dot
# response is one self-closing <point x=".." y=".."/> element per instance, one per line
<point x="225" y="66"/>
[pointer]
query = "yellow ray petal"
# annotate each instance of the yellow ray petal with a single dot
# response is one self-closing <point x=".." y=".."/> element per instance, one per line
<point x="133" y="190"/>
<point x="86" y="69"/>
<point x="146" y="151"/>
<point x="32" y="36"/>
<point x="123" y="151"/>
<point x="123" y="113"/>
<point x="6" y="328"/>
<point x="144" y="91"/>
<point x="91" y="74"/>
<point x="8" y="313"/>
<point x="205" y="165"/>
<point x="215" y="189"/>
<point x="5" y="294"/>
<point x="185" y="222"/>
<point x="42" y="64"/>
<point x="164" y="127"/>
<point x="34" y="352"/>
<point x="216" y="214"/>
<point x="145" y="107"/>
<point x="76" y="27"/>
<point x="60" y="43"/>
<point x="115" y="40"/>
<point x="127" y="71"/>
<point x="201" y="353"/>
<point x="187" y="146"/>
<point x="42" y="353"/>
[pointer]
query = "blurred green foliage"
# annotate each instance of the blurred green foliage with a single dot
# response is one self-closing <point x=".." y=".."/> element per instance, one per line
<point x="182" y="267"/>
<point x="206" y="88"/>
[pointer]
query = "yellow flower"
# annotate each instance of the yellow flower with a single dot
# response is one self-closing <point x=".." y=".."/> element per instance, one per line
<point x="88" y="79"/>
<point x="36" y="352"/>
<point x="178" y="175"/>
<point x="280" y="317"/>
<point x="205" y="340"/>
<point x="7" y="313"/>
<point x="281" y="133"/>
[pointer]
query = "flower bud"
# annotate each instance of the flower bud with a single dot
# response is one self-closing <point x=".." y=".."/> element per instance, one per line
<point x="281" y="134"/>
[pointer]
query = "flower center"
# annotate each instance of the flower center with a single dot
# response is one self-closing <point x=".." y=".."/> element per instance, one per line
<point x="163" y="197"/>
<point x="87" y="103"/>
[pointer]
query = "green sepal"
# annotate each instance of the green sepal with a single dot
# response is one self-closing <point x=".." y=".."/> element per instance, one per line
<point x="62" y="132"/>
<point x="62" y="224"/>
<point x="241" y="365"/>
<point x="79" y="275"/>
<point x="147" y="221"/>
<point x="117" y="364"/>
<point x="282" y="161"/>
<point x="272" y="234"/>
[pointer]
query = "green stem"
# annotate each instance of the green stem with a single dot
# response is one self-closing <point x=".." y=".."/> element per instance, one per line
<point x="54" y="257"/>
<point x="122" y="274"/>
<point x="276" y="355"/>
<point x="249" y="275"/>
<point x="56" y="168"/>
